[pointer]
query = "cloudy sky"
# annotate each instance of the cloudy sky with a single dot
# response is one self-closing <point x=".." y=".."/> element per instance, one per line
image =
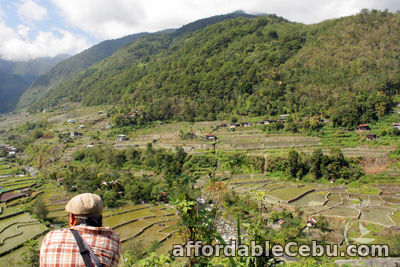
<point x="39" y="28"/>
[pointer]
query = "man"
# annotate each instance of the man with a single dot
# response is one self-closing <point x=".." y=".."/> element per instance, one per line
<point x="60" y="248"/>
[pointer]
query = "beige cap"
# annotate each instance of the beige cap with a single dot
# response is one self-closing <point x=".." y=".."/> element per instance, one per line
<point x="85" y="204"/>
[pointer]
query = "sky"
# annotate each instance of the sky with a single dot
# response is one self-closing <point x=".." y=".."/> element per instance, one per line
<point x="46" y="28"/>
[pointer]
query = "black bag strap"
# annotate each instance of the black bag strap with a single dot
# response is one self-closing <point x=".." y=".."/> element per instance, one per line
<point x="85" y="251"/>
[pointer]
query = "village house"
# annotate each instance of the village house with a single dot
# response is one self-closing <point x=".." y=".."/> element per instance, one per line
<point x="269" y="121"/>
<point x="364" y="127"/>
<point x="222" y="125"/>
<point x="245" y="124"/>
<point x="371" y="137"/>
<point x="81" y="126"/>
<point x="396" y="125"/>
<point x="121" y="138"/>
<point x="211" y="137"/>
<point x="75" y="134"/>
<point x="232" y="128"/>
<point x="71" y="121"/>
<point x="283" y="117"/>
<point x="311" y="222"/>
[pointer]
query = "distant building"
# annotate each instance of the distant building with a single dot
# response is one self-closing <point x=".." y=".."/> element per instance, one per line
<point x="222" y="125"/>
<point x="371" y="137"/>
<point x="75" y="134"/>
<point x="364" y="127"/>
<point x="311" y="222"/>
<point x="259" y="122"/>
<point x="81" y="126"/>
<point x="232" y="128"/>
<point x="211" y="137"/>
<point x="245" y="124"/>
<point x="396" y="125"/>
<point x="71" y="121"/>
<point x="122" y="137"/>
<point x="283" y="117"/>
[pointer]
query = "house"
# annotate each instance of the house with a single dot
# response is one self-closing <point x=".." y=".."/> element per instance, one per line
<point x="280" y="222"/>
<point x="71" y="121"/>
<point x="364" y="127"/>
<point x="245" y="124"/>
<point x="283" y="117"/>
<point x="89" y="146"/>
<point x="60" y="181"/>
<point x="11" y="154"/>
<point x="74" y="134"/>
<point x="236" y="124"/>
<point x="311" y="222"/>
<point x="269" y="121"/>
<point x="211" y="137"/>
<point x="259" y="122"/>
<point x="232" y="128"/>
<point x="396" y="125"/>
<point x="81" y="126"/>
<point x="68" y="140"/>
<point x="222" y="125"/>
<point x="134" y="113"/>
<point x="122" y="137"/>
<point x="371" y="137"/>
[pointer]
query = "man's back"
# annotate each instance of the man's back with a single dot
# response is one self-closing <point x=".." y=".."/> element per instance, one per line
<point x="59" y="247"/>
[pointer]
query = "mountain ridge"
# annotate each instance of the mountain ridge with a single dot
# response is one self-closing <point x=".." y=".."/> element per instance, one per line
<point x="344" y="69"/>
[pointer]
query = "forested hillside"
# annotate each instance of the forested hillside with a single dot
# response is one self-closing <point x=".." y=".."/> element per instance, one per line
<point x="68" y="68"/>
<point x="345" y="69"/>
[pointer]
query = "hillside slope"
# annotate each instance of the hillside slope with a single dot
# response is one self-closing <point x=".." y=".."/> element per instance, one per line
<point x="11" y="88"/>
<point x="68" y="68"/>
<point x="346" y="69"/>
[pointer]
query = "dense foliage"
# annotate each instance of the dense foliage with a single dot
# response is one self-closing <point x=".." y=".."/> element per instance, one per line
<point x="345" y="69"/>
<point x="318" y="166"/>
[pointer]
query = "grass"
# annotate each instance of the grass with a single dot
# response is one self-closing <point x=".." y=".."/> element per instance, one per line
<point x="289" y="193"/>
<point x="375" y="215"/>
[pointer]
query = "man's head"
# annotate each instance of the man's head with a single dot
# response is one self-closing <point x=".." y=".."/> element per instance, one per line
<point x="85" y="208"/>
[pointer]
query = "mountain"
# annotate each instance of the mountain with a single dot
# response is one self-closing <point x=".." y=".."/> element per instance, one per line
<point x="16" y="76"/>
<point x="74" y="65"/>
<point x="11" y="88"/>
<point x="80" y="62"/>
<point x="345" y="69"/>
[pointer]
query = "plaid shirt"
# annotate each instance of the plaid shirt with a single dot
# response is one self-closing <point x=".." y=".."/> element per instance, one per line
<point x="59" y="248"/>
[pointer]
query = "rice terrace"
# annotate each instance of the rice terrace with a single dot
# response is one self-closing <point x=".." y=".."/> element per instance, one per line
<point x="237" y="127"/>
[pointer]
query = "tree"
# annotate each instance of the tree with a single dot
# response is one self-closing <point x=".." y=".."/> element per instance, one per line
<point x="39" y="209"/>
<point x="294" y="163"/>
<point x="316" y="161"/>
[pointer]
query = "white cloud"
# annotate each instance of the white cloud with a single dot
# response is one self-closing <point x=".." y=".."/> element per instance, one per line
<point x="102" y="18"/>
<point x="106" y="19"/>
<point x="14" y="45"/>
<point x="31" y="11"/>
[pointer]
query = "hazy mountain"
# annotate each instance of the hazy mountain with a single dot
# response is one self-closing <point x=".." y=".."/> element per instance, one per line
<point x="16" y="76"/>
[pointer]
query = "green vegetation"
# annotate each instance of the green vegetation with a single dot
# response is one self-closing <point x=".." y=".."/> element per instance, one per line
<point x="258" y="66"/>
<point x="318" y="166"/>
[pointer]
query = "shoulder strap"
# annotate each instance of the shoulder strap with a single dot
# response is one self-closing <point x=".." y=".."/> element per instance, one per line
<point x="85" y="251"/>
